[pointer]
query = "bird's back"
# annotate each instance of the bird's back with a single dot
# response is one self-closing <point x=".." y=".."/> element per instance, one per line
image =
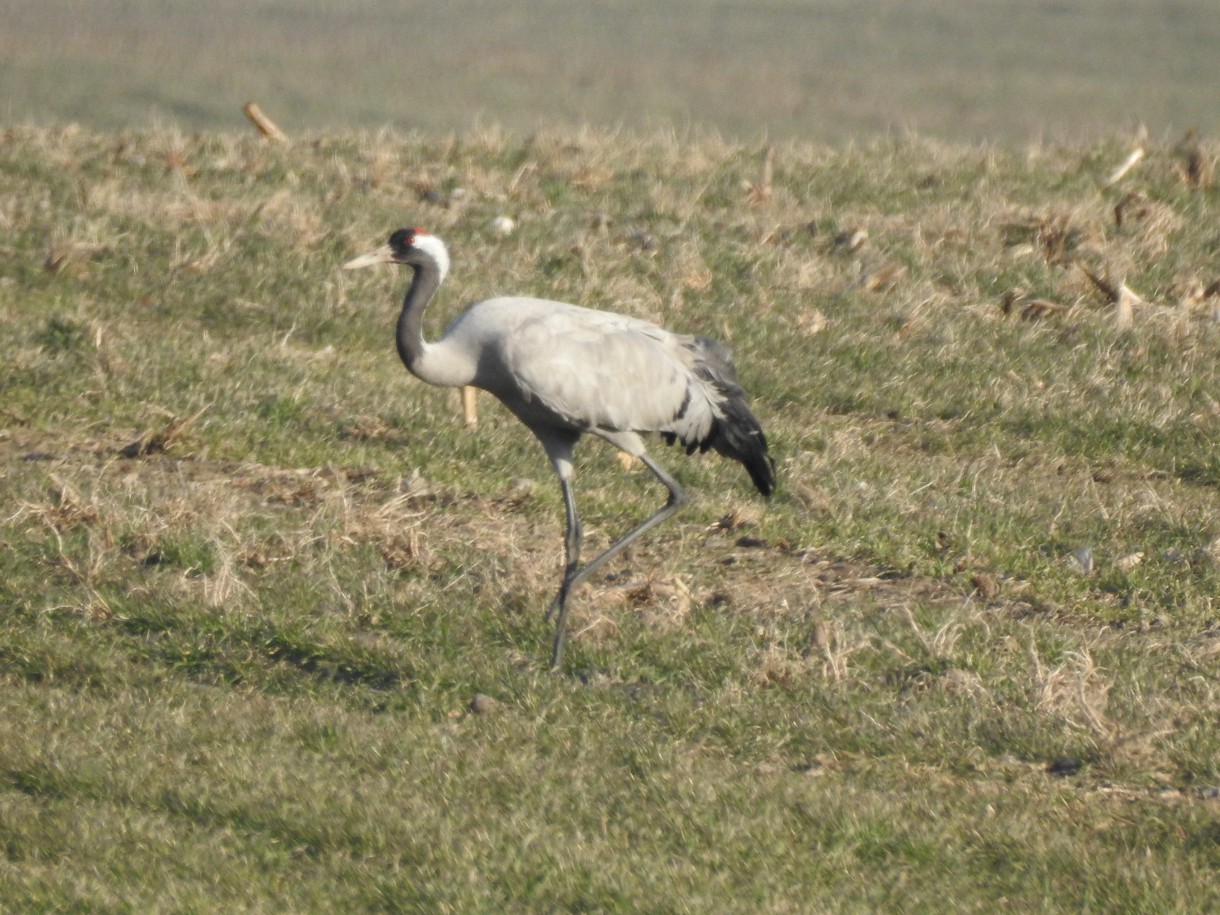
<point x="596" y="370"/>
<point x="564" y="366"/>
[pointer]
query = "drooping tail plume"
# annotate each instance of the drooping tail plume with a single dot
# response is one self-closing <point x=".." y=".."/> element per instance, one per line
<point x="741" y="438"/>
<point x="738" y="435"/>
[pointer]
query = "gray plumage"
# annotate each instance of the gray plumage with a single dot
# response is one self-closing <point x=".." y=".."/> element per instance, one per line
<point x="565" y="371"/>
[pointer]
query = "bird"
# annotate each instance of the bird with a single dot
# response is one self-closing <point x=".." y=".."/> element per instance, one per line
<point x="566" y="371"/>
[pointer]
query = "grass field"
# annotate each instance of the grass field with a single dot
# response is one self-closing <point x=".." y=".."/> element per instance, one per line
<point x="254" y="576"/>
<point x="817" y="70"/>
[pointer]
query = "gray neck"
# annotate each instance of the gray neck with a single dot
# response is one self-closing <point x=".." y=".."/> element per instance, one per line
<point x="410" y="333"/>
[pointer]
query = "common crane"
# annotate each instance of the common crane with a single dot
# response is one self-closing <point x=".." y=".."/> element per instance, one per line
<point x="564" y="371"/>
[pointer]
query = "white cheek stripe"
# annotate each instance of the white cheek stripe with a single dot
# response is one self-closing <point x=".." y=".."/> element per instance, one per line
<point x="433" y="246"/>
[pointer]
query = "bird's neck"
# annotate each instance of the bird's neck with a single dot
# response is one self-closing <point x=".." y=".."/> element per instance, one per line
<point x="441" y="363"/>
<point x="409" y="336"/>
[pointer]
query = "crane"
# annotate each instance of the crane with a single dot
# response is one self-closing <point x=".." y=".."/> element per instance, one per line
<point x="564" y="371"/>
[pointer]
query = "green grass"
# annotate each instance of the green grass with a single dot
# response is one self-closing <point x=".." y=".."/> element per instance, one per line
<point x="238" y="667"/>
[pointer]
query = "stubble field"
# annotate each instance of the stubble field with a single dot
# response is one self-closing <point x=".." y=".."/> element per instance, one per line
<point x="254" y="575"/>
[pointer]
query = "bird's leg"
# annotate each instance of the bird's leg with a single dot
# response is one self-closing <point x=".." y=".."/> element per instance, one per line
<point x="571" y="548"/>
<point x="573" y="576"/>
<point x="676" y="498"/>
<point x="571" y="568"/>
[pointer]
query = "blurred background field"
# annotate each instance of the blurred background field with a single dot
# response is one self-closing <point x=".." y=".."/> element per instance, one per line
<point x="821" y="70"/>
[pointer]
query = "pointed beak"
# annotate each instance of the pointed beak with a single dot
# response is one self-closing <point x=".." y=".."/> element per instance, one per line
<point x="382" y="255"/>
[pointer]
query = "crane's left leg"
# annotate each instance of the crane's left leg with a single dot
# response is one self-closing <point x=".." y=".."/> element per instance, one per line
<point x="571" y="551"/>
<point x="573" y="575"/>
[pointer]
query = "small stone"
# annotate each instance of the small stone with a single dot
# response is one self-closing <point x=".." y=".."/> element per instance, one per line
<point x="483" y="705"/>
<point x="502" y="225"/>
<point x="1081" y="560"/>
<point x="1064" y="766"/>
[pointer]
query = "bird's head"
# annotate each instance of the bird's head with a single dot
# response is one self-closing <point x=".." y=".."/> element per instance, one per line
<point x="406" y="246"/>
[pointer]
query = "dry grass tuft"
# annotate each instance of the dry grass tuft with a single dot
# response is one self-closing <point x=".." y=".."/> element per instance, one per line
<point x="160" y="441"/>
<point x="1075" y="691"/>
<point x="1198" y="165"/>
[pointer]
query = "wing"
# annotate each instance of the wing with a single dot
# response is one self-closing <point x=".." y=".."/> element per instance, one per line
<point x="604" y="372"/>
